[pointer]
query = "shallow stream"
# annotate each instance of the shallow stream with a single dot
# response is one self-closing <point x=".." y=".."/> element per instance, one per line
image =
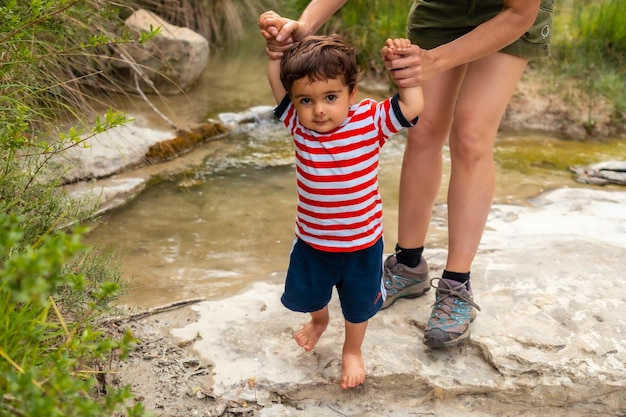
<point x="230" y="221"/>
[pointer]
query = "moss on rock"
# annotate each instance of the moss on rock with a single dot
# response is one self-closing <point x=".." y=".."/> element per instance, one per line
<point x="184" y="141"/>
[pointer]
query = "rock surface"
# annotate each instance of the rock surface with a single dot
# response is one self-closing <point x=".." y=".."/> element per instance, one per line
<point x="171" y="62"/>
<point x="111" y="152"/>
<point x="113" y="167"/>
<point x="550" y="339"/>
<point x="601" y="173"/>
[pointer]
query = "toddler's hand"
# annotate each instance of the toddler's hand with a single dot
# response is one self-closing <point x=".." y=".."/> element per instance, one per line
<point x="395" y="48"/>
<point x="270" y="24"/>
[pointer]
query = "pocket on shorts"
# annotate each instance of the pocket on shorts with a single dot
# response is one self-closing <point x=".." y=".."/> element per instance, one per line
<point x="537" y="40"/>
<point x="541" y="31"/>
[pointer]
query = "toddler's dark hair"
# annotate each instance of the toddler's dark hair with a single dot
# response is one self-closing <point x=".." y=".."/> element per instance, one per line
<point x="319" y="58"/>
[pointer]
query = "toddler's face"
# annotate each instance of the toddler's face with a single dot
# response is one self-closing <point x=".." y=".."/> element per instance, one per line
<point x="322" y="105"/>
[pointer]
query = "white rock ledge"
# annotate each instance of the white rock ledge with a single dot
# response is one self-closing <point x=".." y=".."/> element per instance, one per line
<point x="551" y="334"/>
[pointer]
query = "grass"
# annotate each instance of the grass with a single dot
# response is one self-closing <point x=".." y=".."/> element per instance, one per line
<point x="589" y="48"/>
<point x="366" y="24"/>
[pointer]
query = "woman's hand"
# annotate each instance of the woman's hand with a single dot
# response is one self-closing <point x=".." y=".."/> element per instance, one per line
<point x="278" y="32"/>
<point x="410" y="68"/>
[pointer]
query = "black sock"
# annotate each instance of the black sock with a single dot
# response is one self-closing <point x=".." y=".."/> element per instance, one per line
<point x="462" y="277"/>
<point x="409" y="257"/>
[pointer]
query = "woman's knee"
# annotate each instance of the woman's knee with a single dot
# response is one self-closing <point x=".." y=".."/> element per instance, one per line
<point x="427" y="134"/>
<point x="471" y="139"/>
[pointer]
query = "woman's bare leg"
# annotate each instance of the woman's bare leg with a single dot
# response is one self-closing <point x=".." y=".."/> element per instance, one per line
<point x="468" y="103"/>
<point x="485" y="92"/>
<point x="420" y="177"/>
<point x="476" y="95"/>
<point x="311" y="332"/>
<point x="352" y="366"/>
<point x="486" y="89"/>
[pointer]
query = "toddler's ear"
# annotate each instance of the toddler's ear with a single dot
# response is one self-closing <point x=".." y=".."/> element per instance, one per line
<point x="353" y="95"/>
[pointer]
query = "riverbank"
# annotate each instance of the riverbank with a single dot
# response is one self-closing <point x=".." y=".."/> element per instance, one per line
<point x="560" y="109"/>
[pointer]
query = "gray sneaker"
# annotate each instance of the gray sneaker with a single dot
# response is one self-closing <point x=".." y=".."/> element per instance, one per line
<point x="453" y="311"/>
<point x="404" y="282"/>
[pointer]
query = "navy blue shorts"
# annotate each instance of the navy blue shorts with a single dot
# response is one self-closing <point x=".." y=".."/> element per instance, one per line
<point x="358" y="277"/>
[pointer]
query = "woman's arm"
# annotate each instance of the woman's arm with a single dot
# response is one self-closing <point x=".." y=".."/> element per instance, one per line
<point x="313" y="17"/>
<point x="516" y="17"/>
<point x="281" y="32"/>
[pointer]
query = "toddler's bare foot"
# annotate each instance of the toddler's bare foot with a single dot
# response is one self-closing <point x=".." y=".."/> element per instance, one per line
<point x="308" y="336"/>
<point x="352" y="371"/>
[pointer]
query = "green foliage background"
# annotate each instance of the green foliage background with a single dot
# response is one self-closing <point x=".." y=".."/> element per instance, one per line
<point x="590" y="48"/>
<point x="55" y="58"/>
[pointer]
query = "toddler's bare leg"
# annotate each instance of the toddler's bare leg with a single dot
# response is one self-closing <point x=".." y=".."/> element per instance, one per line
<point x="352" y="367"/>
<point x="308" y="336"/>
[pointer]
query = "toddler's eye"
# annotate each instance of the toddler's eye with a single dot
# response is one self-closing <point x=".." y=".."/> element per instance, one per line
<point x="331" y="97"/>
<point x="305" y="101"/>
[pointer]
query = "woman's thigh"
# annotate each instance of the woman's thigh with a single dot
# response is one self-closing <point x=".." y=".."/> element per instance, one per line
<point x="440" y="95"/>
<point x="486" y="89"/>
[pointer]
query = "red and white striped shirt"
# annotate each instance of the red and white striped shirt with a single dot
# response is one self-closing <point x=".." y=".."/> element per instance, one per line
<point x="339" y="204"/>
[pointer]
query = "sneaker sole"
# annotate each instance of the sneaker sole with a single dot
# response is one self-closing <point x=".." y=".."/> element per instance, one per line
<point x="439" y="342"/>
<point x="409" y="293"/>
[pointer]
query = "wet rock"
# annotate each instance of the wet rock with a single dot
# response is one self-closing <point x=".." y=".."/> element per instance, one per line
<point x="249" y="119"/>
<point x="94" y="172"/>
<point x="115" y="150"/>
<point x="107" y="194"/>
<point x="171" y="62"/>
<point x="601" y="173"/>
<point x="183" y="142"/>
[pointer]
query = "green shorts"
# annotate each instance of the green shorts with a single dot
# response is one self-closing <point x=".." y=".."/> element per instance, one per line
<point x="432" y="23"/>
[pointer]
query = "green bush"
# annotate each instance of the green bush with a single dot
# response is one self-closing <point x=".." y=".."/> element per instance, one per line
<point x="49" y="363"/>
<point x="221" y="22"/>
<point x="599" y="27"/>
<point x="52" y="287"/>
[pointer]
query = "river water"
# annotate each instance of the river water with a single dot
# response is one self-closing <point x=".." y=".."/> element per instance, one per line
<point x="230" y="221"/>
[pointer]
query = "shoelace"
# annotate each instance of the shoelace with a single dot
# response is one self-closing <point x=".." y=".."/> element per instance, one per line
<point x="444" y="293"/>
<point x="385" y="267"/>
